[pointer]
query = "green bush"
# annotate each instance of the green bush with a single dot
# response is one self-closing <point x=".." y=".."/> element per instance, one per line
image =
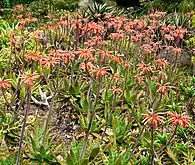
<point x="58" y="4"/>
<point x="66" y="4"/>
<point x="10" y="3"/>
<point x="173" y="5"/>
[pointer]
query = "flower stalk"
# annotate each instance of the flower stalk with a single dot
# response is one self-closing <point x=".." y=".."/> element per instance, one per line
<point x="24" y="126"/>
<point x="152" y="146"/>
<point x="110" y="114"/>
<point x="91" y="121"/>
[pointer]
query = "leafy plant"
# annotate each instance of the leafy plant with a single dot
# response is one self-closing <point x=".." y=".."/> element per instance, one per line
<point x="188" y="91"/>
<point x="4" y="35"/>
<point x="177" y="19"/>
<point x="172" y="5"/>
<point x="110" y="86"/>
<point x="39" y="153"/>
<point x="96" y="11"/>
<point x="74" y="154"/>
<point x="9" y="129"/>
<point x="9" y="160"/>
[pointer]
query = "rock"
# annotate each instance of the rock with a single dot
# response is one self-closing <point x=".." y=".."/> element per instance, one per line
<point x="184" y="59"/>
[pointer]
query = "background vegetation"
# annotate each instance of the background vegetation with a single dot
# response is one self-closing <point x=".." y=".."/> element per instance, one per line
<point x="100" y="83"/>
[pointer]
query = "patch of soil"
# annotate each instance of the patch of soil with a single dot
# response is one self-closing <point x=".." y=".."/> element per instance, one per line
<point x="63" y="123"/>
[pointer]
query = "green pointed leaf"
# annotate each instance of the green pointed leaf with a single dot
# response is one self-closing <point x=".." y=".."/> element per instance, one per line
<point x="66" y="85"/>
<point x="72" y="90"/>
<point x="77" y="87"/>
<point x="42" y="150"/>
<point x="84" y="162"/>
<point x="23" y="92"/>
<point x="69" y="160"/>
<point x="94" y="152"/>
<point x="118" y="162"/>
<point x="84" y="104"/>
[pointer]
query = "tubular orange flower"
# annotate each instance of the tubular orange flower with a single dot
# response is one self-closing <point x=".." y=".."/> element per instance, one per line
<point x="89" y="66"/>
<point x="66" y="56"/>
<point x="93" y="28"/>
<point x="29" y="79"/>
<point x="104" y="55"/>
<point x="82" y="66"/>
<point x="156" y="15"/>
<point x="116" y="77"/>
<point x="144" y="68"/>
<point x="161" y="63"/>
<point x="152" y="119"/>
<point x="67" y="59"/>
<point x="138" y="37"/>
<point x="163" y="89"/>
<point x="86" y="54"/>
<point x="169" y="37"/>
<point x="97" y="40"/>
<point x="100" y="72"/>
<point x="116" y="59"/>
<point x="116" y="90"/>
<point x="178" y="119"/>
<point x="32" y="56"/>
<point x="127" y="64"/>
<point x="140" y="78"/>
<point x="115" y="36"/>
<point x="179" y="32"/>
<point x="147" y="49"/>
<point x="50" y="62"/>
<point x="86" y="66"/>
<point x="33" y="20"/>
<point x="177" y="51"/>
<point x="4" y="84"/>
<point x="156" y="45"/>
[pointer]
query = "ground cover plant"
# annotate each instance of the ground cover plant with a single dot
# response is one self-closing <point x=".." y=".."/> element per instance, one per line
<point x="91" y="87"/>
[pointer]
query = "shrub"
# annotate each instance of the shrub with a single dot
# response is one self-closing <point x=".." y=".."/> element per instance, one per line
<point x="66" y="4"/>
<point x="173" y="5"/>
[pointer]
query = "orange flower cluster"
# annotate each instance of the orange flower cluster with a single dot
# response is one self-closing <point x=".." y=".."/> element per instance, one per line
<point x="86" y="66"/>
<point x="144" y="68"/>
<point x="178" y="119"/>
<point x="116" y="36"/>
<point x="161" y="63"/>
<point x="116" y="90"/>
<point x="25" y="21"/>
<point x="152" y="119"/>
<point x="97" y="40"/>
<point x="32" y="57"/>
<point x="4" y="84"/>
<point x="29" y="79"/>
<point x="86" y="54"/>
<point x="55" y="57"/>
<point x="49" y="61"/>
<point x="100" y="72"/>
<point x="93" y="28"/>
<point x="163" y="89"/>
